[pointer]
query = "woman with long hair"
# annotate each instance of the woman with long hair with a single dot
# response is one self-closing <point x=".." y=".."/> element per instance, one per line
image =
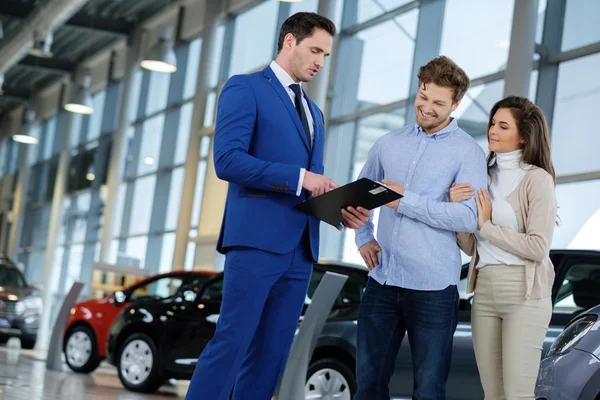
<point x="510" y="272"/>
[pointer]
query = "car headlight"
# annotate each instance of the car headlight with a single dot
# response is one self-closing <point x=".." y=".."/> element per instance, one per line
<point x="572" y="335"/>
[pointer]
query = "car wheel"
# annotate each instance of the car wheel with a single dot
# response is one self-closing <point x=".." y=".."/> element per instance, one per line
<point x="330" y="378"/>
<point x="4" y="339"/>
<point x="81" y="349"/>
<point x="28" y="344"/>
<point x="138" y="365"/>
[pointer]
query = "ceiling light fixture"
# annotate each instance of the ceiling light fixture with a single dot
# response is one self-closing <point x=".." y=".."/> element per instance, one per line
<point x="161" y="57"/>
<point x="26" y="137"/>
<point x="41" y="45"/>
<point x="82" y="102"/>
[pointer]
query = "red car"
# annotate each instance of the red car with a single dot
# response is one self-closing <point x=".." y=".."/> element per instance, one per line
<point x="84" y="343"/>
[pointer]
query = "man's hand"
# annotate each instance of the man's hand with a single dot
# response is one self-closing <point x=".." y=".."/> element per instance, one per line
<point x="355" y="218"/>
<point x="368" y="252"/>
<point x="396" y="187"/>
<point x="317" y="184"/>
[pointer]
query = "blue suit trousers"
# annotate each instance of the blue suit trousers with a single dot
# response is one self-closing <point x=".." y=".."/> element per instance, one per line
<point x="263" y="296"/>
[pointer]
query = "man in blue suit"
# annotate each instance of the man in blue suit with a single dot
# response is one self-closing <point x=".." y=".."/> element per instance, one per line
<point x="268" y="145"/>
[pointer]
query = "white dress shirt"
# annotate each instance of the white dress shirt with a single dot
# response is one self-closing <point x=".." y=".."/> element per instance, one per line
<point x="505" y="178"/>
<point x="286" y="80"/>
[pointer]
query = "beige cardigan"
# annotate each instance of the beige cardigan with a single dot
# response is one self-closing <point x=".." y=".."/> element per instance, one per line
<point x="534" y="202"/>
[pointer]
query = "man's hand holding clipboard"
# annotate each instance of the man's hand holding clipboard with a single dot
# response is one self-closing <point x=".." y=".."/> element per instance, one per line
<point x="331" y="207"/>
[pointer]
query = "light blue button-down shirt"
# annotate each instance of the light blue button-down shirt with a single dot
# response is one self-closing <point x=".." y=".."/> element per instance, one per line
<point x="419" y="238"/>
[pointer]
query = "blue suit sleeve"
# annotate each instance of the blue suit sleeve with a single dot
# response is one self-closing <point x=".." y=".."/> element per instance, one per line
<point x="236" y="118"/>
<point x="374" y="171"/>
<point x="456" y="217"/>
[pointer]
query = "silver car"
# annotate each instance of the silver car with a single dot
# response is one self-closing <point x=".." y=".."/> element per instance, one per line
<point x="571" y="367"/>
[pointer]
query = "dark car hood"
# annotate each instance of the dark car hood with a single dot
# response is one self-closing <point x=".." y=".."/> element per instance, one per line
<point x="7" y="292"/>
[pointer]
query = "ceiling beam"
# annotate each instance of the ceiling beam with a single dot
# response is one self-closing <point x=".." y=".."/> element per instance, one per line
<point x="53" y="65"/>
<point x="16" y="9"/>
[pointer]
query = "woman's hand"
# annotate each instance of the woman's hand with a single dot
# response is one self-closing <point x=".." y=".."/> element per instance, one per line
<point x="460" y="192"/>
<point x="484" y="207"/>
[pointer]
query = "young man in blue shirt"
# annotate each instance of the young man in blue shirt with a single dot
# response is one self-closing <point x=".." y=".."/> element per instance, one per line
<point x="415" y="261"/>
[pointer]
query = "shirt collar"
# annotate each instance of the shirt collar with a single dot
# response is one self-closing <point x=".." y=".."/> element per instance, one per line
<point x="451" y="127"/>
<point x="284" y="78"/>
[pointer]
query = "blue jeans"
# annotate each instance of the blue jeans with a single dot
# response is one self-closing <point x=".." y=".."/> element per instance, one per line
<point x="385" y="314"/>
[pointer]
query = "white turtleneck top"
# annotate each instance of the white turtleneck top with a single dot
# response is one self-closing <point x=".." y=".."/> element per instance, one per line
<point x="506" y="175"/>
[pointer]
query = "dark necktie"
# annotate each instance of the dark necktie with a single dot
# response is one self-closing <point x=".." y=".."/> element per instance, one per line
<point x="300" y="109"/>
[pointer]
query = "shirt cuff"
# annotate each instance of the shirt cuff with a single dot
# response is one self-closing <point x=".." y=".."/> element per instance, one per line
<point x="409" y="200"/>
<point x="300" y="181"/>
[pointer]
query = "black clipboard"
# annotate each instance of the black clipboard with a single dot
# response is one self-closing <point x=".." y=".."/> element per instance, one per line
<point x="361" y="193"/>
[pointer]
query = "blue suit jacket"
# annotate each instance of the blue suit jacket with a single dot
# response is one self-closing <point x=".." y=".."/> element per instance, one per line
<point x="259" y="148"/>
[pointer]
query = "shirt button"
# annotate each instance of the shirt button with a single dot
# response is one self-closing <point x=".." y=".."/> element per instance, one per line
<point x="414" y="163"/>
<point x="395" y="233"/>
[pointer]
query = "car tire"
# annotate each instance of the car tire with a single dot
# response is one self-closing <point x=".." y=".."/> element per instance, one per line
<point x="81" y="349"/>
<point x="138" y="364"/>
<point x="4" y="339"/>
<point x="343" y="382"/>
<point x="28" y="344"/>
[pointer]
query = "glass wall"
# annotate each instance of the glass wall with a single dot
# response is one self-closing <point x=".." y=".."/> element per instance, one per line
<point x="373" y="72"/>
<point x="373" y="61"/>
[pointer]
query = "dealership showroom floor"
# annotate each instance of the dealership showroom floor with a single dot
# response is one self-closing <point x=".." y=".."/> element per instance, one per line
<point x="23" y="376"/>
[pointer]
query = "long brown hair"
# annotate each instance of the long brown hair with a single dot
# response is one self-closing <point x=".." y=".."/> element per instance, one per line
<point x="533" y="127"/>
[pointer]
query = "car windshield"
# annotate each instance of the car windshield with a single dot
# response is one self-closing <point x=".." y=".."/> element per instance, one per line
<point x="12" y="278"/>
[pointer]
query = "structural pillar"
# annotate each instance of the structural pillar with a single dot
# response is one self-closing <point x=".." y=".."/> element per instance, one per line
<point x="522" y="46"/>
<point x="212" y="15"/>
<point x="427" y="45"/>
<point x="548" y="71"/>
<point x="319" y="87"/>
<point x="19" y="201"/>
<point x="119" y="147"/>
<point x="50" y="264"/>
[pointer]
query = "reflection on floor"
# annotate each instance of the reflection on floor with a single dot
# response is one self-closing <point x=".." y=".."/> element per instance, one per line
<point x="23" y="376"/>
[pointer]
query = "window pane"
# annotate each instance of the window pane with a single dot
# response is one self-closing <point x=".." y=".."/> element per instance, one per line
<point x="150" y="145"/>
<point x="199" y="190"/>
<point x="579" y="290"/>
<point x="574" y="143"/>
<point x="540" y="21"/>
<point x="119" y="205"/>
<point x="166" y="255"/>
<point x="211" y="104"/>
<point x="158" y="93"/>
<point x="174" y="198"/>
<point x="247" y="55"/>
<point x="50" y="132"/>
<point x="74" y="266"/>
<point x="480" y="44"/>
<point x="191" y="73"/>
<point x="159" y="289"/>
<point x="135" y="254"/>
<point x="183" y="133"/>
<point x="474" y="110"/>
<point x="141" y="208"/>
<point x="95" y="126"/>
<point x="304" y="6"/>
<point x="579" y="213"/>
<point x="581" y="23"/>
<point x="385" y="75"/>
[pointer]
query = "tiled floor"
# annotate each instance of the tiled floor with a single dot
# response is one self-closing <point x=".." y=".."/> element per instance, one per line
<point x="23" y="376"/>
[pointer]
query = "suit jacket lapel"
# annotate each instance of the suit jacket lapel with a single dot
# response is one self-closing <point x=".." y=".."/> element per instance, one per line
<point x="287" y="102"/>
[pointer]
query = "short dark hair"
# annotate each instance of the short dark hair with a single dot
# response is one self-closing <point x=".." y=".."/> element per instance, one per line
<point x="302" y="25"/>
<point x="444" y="72"/>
